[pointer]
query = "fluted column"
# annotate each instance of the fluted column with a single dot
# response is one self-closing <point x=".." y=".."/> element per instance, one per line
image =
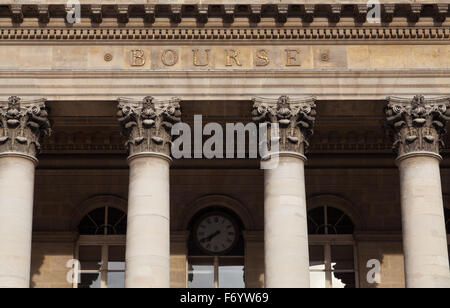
<point x="147" y="124"/>
<point x="22" y="125"/>
<point x="417" y="126"/>
<point x="285" y="216"/>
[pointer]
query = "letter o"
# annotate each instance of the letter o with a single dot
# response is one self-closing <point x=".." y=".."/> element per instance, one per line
<point x="172" y="61"/>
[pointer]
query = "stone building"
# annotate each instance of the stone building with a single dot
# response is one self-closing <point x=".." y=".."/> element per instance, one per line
<point x="91" y="193"/>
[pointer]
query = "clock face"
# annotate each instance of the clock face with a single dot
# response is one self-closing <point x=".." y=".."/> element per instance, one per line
<point x="216" y="233"/>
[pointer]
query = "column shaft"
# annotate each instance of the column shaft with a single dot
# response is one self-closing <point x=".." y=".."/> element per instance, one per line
<point x="148" y="233"/>
<point x="16" y="217"/>
<point x="285" y="225"/>
<point x="424" y="234"/>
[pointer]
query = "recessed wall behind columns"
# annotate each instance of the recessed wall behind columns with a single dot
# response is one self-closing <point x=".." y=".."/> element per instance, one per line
<point x="373" y="194"/>
<point x="387" y="249"/>
<point x="50" y="255"/>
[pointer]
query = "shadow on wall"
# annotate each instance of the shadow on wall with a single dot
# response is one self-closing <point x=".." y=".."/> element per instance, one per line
<point x="49" y="264"/>
<point x="390" y="257"/>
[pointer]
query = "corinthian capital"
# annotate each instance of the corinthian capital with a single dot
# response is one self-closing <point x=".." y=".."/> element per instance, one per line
<point x="295" y="119"/>
<point x="418" y="124"/>
<point x="23" y="124"/>
<point x="147" y="124"/>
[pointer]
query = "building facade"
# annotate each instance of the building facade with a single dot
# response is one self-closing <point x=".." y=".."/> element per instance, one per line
<point x="356" y="97"/>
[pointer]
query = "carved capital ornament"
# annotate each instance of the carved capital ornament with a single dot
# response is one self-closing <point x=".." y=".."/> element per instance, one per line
<point x="147" y="124"/>
<point x="295" y="119"/>
<point x="417" y="125"/>
<point x="23" y="124"/>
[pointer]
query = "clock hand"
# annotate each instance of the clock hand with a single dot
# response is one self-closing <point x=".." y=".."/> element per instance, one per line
<point x="214" y="235"/>
<point x="210" y="237"/>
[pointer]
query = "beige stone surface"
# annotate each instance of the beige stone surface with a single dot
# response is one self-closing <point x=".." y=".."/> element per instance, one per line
<point x="285" y="225"/>
<point x="148" y="228"/>
<point x="223" y="57"/>
<point x="424" y="233"/>
<point x="390" y="256"/>
<point x="66" y="72"/>
<point x="254" y="259"/>
<point x="178" y="260"/>
<point x="49" y="264"/>
<point x="16" y="208"/>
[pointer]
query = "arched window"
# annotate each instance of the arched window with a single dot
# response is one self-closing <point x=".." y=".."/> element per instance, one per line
<point x="332" y="250"/>
<point x="104" y="221"/>
<point x="216" y="250"/>
<point x="101" y="249"/>
<point x="329" y="220"/>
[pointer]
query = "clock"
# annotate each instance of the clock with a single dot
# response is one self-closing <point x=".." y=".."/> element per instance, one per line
<point x="216" y="233"/>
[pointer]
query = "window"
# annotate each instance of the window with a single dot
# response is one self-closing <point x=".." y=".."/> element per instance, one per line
<point x="332" y="252"/>
<point x="216" y="250"/>
<point x="101" y="249"/>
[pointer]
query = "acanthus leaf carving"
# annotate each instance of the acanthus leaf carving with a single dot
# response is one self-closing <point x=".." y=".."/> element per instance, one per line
<point x="295" y="119"/>
<point x="147" y="124"/>
<point x="23" y="124"/>
<point x="417" y="124"/>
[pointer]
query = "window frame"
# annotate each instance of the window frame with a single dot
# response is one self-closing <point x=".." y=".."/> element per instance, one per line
<point x="103" y="241"/>
<point x="328" y="240"/>
<point x="216" y="264"/>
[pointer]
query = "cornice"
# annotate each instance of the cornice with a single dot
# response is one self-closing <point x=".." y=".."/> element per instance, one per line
<point x="229" y="11"/>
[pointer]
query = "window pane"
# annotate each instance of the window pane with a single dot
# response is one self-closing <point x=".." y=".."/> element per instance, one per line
<point x="316" y="258"/>
<point x="116" y="258"/>
<point x="116" y="280"/>
<point x="201" y="276"/>
<point x="317" y="279"/>
<point x="231" y="276"/>
<point x="98" y="215"/>
<point x="342" y="257"/>
<point x="87" y="226"/>
<point x="89" y="281"/>
<point x="90" y="257"/>
<point x="338" y="222"/>
<point x="316" y="221"/>
<point x="117" y="221"/>
<point x="343" y="280"/>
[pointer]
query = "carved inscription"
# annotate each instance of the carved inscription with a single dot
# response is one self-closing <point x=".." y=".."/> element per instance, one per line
<point x="223" y="57"/>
